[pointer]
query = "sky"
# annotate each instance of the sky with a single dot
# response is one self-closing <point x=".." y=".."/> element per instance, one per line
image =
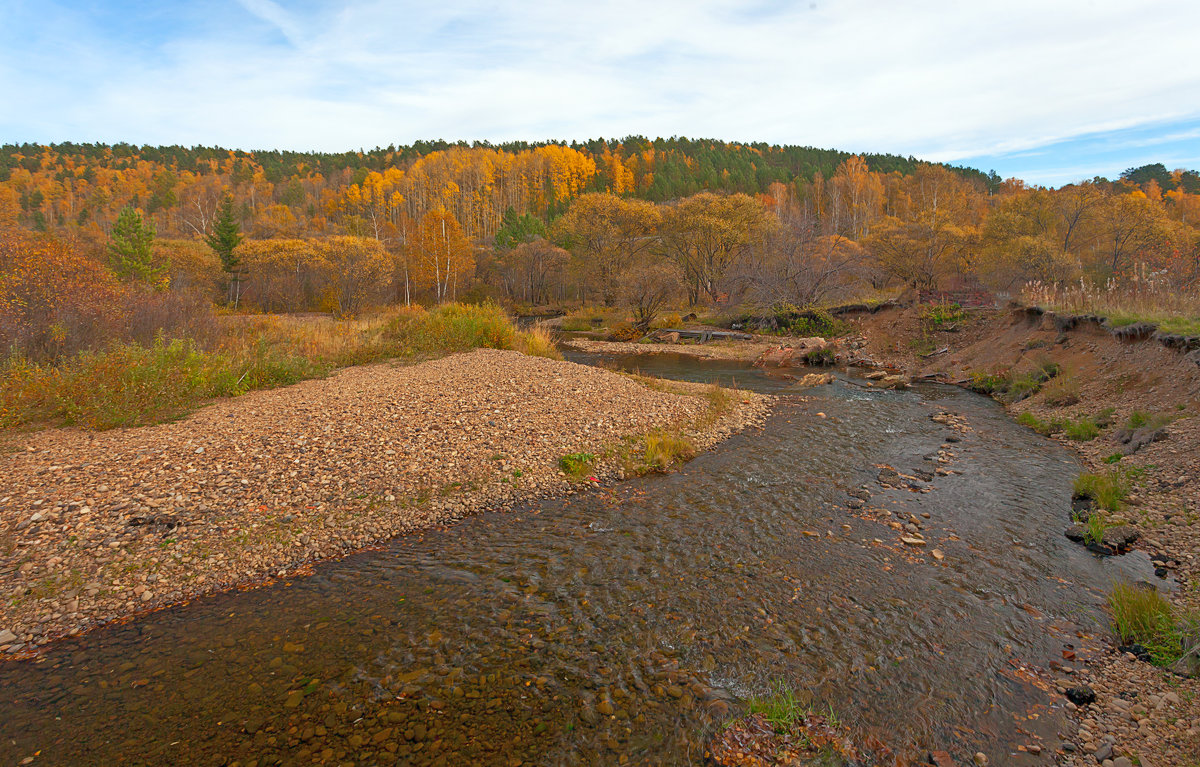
<point x="1048" y="91"/>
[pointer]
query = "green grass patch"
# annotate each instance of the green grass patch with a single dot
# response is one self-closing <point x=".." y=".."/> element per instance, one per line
<point x="1095" y="527"/>
<point x="577" y="465"/>
<point x="1109" y="489"/>
<point x="1141" y="419"/>
<point x="1143" y="616"/>
<point x="1083" y="430"/>
<point x="941" y="314"/>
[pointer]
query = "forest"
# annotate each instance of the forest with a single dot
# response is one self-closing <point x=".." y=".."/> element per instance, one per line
<point x="123" y="242"/>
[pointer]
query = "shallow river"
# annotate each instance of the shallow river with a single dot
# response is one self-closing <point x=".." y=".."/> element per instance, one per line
<point x="623" y="625"/>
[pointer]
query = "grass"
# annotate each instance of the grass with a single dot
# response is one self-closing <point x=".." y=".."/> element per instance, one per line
<point x="132" y="384"/>
<point x="577" y="465"/>
<point x="1143" y="616"/>
<point x="820" y="357"/>
<point x="1140" y="419"/>
<point x="663" y="450"/>
<point x="1095" y="527"/>
<point x="1082" y="430"/>
<point x="1013" y="386"/>
<point x="943" y="313"/>
<point x="1062" y="391"/>
<point x="783" y="709"/>
<point x="1109" y="489"/>
<point x="1142" y="297"/>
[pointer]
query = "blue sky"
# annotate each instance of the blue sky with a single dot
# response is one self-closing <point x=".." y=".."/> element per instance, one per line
<point x="1047" y="91"/>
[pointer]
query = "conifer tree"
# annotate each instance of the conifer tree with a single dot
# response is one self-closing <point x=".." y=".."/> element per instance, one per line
<point x="226" y="235"/>
<point x="129" y="249"/>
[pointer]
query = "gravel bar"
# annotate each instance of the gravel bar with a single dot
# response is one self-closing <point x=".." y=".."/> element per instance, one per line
<point x="100" y="526"/>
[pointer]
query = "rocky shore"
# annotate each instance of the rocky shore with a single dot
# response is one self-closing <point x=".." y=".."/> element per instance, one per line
<point x="96" y="527"/>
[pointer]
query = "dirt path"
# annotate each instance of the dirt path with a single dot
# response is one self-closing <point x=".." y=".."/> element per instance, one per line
<point x="98" y="526"/>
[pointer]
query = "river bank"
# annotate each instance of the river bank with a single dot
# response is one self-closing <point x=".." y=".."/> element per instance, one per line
<point x="100" y="526"/>
<point x="1140" y="712"/>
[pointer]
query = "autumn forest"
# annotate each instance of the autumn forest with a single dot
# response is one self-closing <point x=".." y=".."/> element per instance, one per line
<point x="83" y="227"/>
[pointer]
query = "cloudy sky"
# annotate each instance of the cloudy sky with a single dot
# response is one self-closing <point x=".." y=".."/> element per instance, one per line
<point x="1050" y="91"/>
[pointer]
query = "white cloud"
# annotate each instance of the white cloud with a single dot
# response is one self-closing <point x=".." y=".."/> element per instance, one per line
<point x="944" y="80"/>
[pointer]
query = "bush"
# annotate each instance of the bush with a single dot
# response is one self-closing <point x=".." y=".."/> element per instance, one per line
<point x="820" y="357"/>
<point x="943" y="313"/>
<point x="1143" y="616"/>
<point x="624" y="331"/>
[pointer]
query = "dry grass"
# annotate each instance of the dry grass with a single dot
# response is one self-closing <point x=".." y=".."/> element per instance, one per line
<point x="1144" y="297"/>
<point x="132" y="384"/>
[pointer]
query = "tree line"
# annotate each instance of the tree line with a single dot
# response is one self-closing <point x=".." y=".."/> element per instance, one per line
<point x="634" y="222"/>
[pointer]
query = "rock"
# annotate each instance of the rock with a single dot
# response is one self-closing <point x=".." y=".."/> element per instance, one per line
<point x="1104" y="752"/>
<point x="815" y="379"/>
<point x="7" y="637"/>
<point x="980" y="759"/>
<point x="1122" y="761"/>
<point x="912" y="541"/>
<point x="938" y="555"/>
<point x="1081" y="695"/>
<point x="1120" y="536"/>
<point x="1077" y="533"/>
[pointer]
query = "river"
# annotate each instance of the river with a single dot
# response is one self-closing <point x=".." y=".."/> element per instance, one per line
<point x="622" y="625"/>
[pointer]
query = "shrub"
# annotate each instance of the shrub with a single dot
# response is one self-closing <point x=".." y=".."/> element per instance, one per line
<point x="820" y="357"/>
<point x="624" y="331"/>
<point x="577" y="465"/>
<point x="943" y="313"/>
<point x="1143" y="616"/>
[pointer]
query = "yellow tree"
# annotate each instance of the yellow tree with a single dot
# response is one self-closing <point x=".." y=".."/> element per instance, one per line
<point x="707" y="234"/>
<point x="605" y="235"/>
<point x="441" y="255"/>
<point x="356" y="269"/>
<point x="855" y="198"/>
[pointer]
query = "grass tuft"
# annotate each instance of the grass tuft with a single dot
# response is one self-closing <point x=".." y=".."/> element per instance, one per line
<point x="664" y="450"/>
<point x="1109" y="490"/>
<point x="1143" y="616"/>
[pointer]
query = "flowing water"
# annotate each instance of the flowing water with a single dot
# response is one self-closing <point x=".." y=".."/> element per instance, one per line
<point x="624" y="624"/>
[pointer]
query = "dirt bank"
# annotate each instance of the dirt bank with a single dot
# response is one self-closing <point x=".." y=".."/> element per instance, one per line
<point x="99" y="526"/>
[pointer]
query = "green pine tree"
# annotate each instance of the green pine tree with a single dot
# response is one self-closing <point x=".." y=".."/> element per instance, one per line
<point x="226" y="235"/>
<point x="130" y="249"/>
